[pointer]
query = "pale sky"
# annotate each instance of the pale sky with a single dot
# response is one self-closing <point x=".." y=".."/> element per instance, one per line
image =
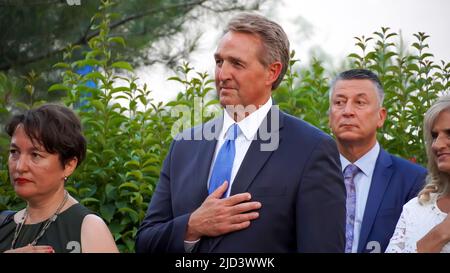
<point x="327" y="25"/>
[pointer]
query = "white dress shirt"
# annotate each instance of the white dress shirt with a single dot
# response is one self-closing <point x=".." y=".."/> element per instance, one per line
<point x="248" y="127"/>
<point x="363" y="179"/>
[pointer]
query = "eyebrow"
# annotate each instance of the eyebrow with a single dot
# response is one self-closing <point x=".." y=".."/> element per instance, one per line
<point x="361" y="95"/>
<point x="446" y="130"/>
<point x="13" y="145"/>
<point x="357" y="95"/>
<point x="341" y="95"/>
<point x="231" y="58"/>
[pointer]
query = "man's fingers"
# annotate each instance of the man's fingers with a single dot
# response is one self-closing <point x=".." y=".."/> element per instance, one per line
<point x="245" y="207"/>
<point x="218" y="193"/>
<point x="237" y="198"/>
<point x="243" y="217"/>
<point x="239" y="226"/>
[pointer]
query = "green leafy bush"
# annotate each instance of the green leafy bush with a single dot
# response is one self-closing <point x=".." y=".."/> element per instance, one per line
<point x="128" y="134"/>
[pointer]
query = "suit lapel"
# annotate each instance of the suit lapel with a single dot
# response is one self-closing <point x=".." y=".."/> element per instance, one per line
<point x="381" y="178"/>
<point x="204" y="155"/>
<point x="255" y="159"/>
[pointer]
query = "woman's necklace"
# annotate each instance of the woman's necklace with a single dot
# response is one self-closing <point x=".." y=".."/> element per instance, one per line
<point x="44" y="228"/>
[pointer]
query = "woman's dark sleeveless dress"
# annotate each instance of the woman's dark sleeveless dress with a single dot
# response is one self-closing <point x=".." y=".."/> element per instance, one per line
<point x="64" y="234"/>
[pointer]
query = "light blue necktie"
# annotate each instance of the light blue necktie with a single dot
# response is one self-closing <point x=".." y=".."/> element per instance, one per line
<point x="224" y="161"/>
<point x="349" y="175"/>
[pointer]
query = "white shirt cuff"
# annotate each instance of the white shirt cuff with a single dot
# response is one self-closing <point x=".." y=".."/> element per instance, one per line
<point x="189" y="245"/>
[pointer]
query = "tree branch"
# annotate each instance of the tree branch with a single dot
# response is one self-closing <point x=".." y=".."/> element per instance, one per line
<point x="87" y="36"/>
<point x="9" y="3"/>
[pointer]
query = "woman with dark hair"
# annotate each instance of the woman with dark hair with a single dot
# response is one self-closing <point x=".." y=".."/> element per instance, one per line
<point x="46" y="147"/>
<point x="424" y="225"/>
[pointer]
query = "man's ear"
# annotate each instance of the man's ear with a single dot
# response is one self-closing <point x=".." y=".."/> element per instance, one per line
<point x="382" y="114"/>
<point x="273" y="71"/>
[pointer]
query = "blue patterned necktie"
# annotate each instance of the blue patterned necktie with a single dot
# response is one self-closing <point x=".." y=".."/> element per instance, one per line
<point x="224" y="161"/>
<point x="349" y="175"/>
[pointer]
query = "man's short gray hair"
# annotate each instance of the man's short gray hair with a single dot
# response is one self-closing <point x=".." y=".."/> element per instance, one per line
<point x="274" y="40"/>
<point x="360" y="74"/>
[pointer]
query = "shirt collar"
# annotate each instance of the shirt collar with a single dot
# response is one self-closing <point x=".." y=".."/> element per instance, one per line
<point x="250" y="124"/>
<point x="366" y="163"/>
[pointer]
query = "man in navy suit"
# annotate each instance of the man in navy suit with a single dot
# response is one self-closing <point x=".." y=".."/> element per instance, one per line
<point x="285" y="191"/>
<point x="383" y="182"/>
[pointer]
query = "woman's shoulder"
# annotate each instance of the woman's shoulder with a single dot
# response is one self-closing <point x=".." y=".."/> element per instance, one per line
<point x="76" y="211"/>
<point x="85" y="215"/>
<point x="415" y="205"/>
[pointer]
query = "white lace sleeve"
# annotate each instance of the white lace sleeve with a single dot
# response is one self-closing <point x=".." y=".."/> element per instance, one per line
<point x="398" y="242"/>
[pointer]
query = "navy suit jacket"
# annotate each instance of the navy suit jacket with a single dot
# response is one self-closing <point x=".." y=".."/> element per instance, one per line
<point x="299" y="184"/>
<point x="395" y="181"/>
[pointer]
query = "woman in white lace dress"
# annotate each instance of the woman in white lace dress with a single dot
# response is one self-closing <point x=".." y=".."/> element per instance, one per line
<point x="424" y="225"/>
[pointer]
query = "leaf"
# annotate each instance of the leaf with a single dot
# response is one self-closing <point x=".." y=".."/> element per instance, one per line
<point x="95" y="75"/>
<point x="58" y="86"/>
<point x="120" y="89"/>
<point x="130" y="212"/>
<point x="116" y="228"/>
<point x="143" y="100"/>
<point x="416" y="45"/>
<point x="152" y="169"/>
<point x="390" y="54"/>
<point x="426" y="55"/>
<point x="129" y="185"/>
<point x="136" y="173"/>
<point x="108" y="154"/>
<point x="22" y="105"/>
<point x="172" y="103"/>
<point x="98" y="105"/>
<point x="107" y="211"/>
<point x="86" y="200"/>
<point x="150" y="161"/>
<point x="212" y="102"/>
<point x="61" y="65"/>
<point x="110" y="191"/>
<point x="354" y="55"/>
<point x="87" y="62"/>
<point x="176" y="79"/>
<point x="391" y="35"/>
<point x="117" y="40"/>
<point x="93" y="53"/>
<point x="122" y="97"/>
<point x="361" y="45"/>
<point x="122" y="65"/>
<point x="413" y="67"/>
<point x="132" y="164"/>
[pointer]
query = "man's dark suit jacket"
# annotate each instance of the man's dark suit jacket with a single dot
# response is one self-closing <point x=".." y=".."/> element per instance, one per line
<point x="299" y="184"/>
<point x="394" y="182"/>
